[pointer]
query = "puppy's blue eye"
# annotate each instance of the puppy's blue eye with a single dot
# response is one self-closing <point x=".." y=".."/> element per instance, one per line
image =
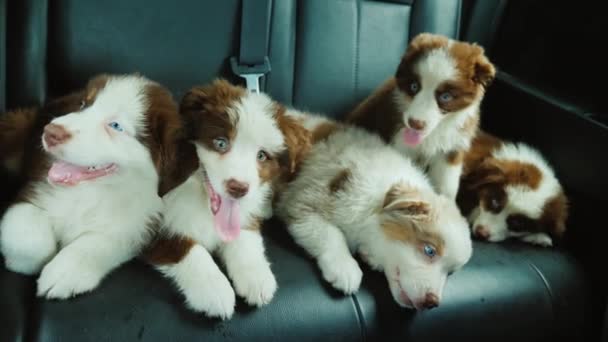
<point x="221" y="144"/>
<point x="115" y="126"/>
<point x="262" y="156"/>
<point x="430" y="251"/>
<point x="414" y="87"/>
<point x="445" y="97"/>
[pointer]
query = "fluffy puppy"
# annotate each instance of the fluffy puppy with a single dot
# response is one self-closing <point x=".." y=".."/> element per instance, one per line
<point x="429" y="110"/>
<point x="510" y="190"/>
<point x="75" y="219"/>
<point x="244" y="141"/>
<point x="353" y="193"/>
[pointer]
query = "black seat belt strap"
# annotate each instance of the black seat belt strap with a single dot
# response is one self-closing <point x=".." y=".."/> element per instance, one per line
<point x="253" y="62"/>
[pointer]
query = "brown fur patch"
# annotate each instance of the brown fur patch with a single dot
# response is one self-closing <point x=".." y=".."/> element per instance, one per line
<point x="323" y="130"/>
<point x="482" y="146"/>
<point x="339" y="181"/>
<point x="255" y="225"/>
<point x="464" y="93"/>
<point x="472" y="64"/>
<point x="504" y="172"/>
<point x="15" y="128"/>
<point x="378" y="113"/>
<point x="93" y="87"/>
<point x="269" y="170"/>
<point x="555" y="214"/>
<point x="493" y="198"/>
<point x="174" y="157"/>
<point x="455" y="157"/>
<point x="408" y="233"/>
<point x="406" y="201"/>
<point x="204" y="110"/>
<point x="518" y="173"/>
<point x="297" y="139"/>
<point x="168" y="250"/>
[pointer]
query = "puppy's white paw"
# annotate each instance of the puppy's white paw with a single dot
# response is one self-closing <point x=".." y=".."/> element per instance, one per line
<point x="539" y="239"/>
<point x="256" y="285"/>
<point x="25" y="264"/>
<point x="65" y="277"/>
<point x="212" y="295"/>
<point x="342" y="271"/>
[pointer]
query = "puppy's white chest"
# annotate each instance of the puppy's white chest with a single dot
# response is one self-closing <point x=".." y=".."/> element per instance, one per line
<point x="101" y="208"/>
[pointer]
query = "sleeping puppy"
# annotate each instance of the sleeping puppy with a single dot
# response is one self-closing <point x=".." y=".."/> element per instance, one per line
<point x="509" y="190"/>
<point x="353" y="193"/>
<point x="429" y="110"/>
<point x="75" y="220"/>
<point x="244" y="142"/>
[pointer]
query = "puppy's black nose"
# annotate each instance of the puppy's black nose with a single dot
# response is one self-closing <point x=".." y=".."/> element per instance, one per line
<point x="237" y="189"/>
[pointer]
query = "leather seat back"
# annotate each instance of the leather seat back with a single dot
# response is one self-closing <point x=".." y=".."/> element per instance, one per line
<point x="325" y="54"/>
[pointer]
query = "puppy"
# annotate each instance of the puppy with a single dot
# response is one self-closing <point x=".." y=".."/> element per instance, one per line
<point x="509" y="190"/>
<point x="244" y="142"/>
<point x="76" y="219"/>
<point x="429" y="110"/>
<point x="353" y="193"/>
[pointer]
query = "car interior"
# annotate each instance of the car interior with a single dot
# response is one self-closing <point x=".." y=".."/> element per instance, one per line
<point x="326" y="56"/>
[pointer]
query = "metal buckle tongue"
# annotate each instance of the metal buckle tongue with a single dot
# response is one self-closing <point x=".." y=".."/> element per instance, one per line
<point x="251" y="73"/>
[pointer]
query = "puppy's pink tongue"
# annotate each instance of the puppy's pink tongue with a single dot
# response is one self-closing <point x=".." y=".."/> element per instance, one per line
<point x="227" y="221"/>
<point x="226" y="218"/>
<point x="65" y="173"/>
<point x="412" y="137"/>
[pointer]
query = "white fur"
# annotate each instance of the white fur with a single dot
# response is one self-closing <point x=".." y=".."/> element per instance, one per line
<point x="77" y="234"/>
<point x="248" y="268"/>
<point x="203" y="284"/>
<point x="520" y="199"/>
<point x="332" y="226"/>
<point x="445" y="176"/>
<point x="187" y="211"/>
<point x="442" y="133"/>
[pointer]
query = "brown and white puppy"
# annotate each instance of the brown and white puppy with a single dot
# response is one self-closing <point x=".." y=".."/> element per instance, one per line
<point x="355" y="194"/>
<point x="429" y="110"/>
<point x="244" y="142"/>
<point x="76" y="218"/>
<point x="509" y="190"/>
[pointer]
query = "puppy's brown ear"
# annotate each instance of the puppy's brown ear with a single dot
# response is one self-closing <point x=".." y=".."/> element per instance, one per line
<point x="180" y="163"/>
<point x="93" y="87"/>
<point x="555" y="215"/>
<point x="208" y="102"/>
<point x="297" y="139"/>
<point x="487" y="173"/>
<point x="63" y="105"/>
<point x="484" y="70"/>
<point x="405" y="202"/>
<point x="173" y="155"/>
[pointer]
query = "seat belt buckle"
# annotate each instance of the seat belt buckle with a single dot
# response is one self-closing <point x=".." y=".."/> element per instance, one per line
<point x="251" y="73"/>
